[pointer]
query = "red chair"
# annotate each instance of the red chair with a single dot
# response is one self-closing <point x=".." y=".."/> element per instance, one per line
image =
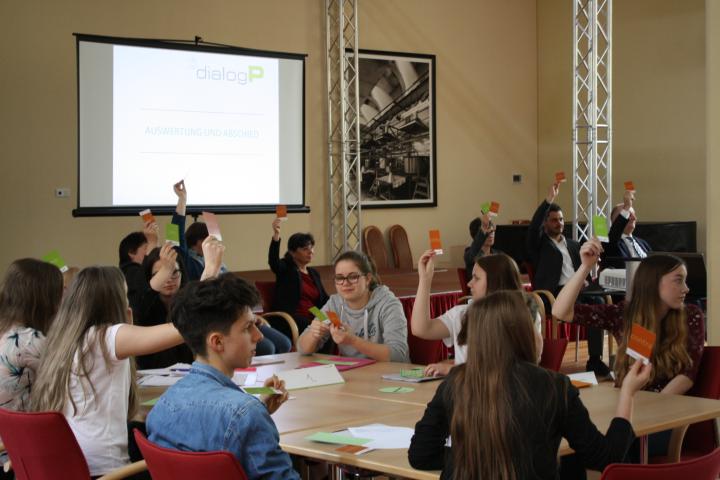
<point x="553" y="353"/>
<point x="462" y="276"/>
<point x="168" y="464"/>
<point x="402" y="255"/>
<point x="374" y="246"/>
<point x="702" y="468"/>
<point x="42" y="446"/>
<point x="275" y="319"/>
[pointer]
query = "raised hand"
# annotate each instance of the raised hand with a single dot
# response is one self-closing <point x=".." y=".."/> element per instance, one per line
<point x="276" y="229"/>
<point x="590" y="252"/>
<point x="213" y="254"/>
<point x="553" y="192"/>
<point x="426" y="265"/>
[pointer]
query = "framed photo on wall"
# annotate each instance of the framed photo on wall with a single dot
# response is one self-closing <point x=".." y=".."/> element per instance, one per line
<point x="397" y="129"/>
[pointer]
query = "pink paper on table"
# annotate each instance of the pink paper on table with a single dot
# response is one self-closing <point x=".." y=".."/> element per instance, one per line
<point x="357" y="362"/>
<point x="212" y="224"/>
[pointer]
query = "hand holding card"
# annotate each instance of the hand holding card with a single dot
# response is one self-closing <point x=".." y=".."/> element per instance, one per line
<point x="212" y="225"/>
<point x="435" y="242"/>
<point x="641" y="343"/>
<point x="281" y="212"/>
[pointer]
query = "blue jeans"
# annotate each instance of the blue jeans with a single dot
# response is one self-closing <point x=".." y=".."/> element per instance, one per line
<point x="274" y="342"/>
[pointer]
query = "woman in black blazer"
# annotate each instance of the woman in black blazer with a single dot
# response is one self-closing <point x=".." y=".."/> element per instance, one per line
<point x="297" y="286"/>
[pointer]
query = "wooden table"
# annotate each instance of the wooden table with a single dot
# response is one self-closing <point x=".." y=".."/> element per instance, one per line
<point x="358" y="402"/>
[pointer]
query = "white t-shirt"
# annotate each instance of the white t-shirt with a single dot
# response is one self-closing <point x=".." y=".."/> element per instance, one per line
<point x="100" y="424"/>
<point x="453" y="321"/>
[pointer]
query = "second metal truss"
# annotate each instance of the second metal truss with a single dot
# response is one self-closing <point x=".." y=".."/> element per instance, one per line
<point x="592" y="113"/>
<point x="343" y="126"/>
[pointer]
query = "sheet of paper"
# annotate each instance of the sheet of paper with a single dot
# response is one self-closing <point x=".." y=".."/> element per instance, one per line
<point x="158" y="380"/>
<point x="175" y="369"/>
<point x="55" y="258"/>
<point x="435" y="242"/>
<point x="261" y="390"/>
<point x="384" y="436"/>
<point x="396" y="377"/>
<point x="396" y="389"/>
<point x="213" y="225"/>
<point x="641" y="343"/>
<point x="587" y="377"/>
<point x="172" y="234"/>
<point x="311" y="377"/>
<point x="328" y="437"/>
<point x="260" y="361"/>
<point x="244" y="378"/>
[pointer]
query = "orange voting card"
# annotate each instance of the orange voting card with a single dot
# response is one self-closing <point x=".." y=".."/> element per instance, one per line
<point x="281" y="212"/>
<point x="435" y="242"/>
<point x="579" y="384"/>
<point x="629" y="186"/>
<point x="560" y="177"/>
<point x="147" y="216"/>
<point x="353" y="449"/>
<point x="212" y="225"/>
<point x="641" y="343"/>
<point x="334" y="318"/>
<point x="494" y="207"/>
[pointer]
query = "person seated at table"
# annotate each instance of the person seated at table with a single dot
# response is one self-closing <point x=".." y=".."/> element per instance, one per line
<point x="657" y="304"/>
<point x="298" y="287"/>
<point x="374" y="324"/>
<point x="505" y="414"/>
<point x="482" y="233"/>
<point x="86" y="372"/>
<point x="29" y="299"/>
<point x="489" y="274"/>
<point x="215" y="319"/>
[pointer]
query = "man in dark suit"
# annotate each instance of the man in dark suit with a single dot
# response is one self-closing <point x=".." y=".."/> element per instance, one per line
<point x="555" y="259"/>
<point x="622" y="243"/>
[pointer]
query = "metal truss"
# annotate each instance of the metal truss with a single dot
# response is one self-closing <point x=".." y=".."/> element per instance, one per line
<point x="592" y="113"/>
<point x="343" y="126"/>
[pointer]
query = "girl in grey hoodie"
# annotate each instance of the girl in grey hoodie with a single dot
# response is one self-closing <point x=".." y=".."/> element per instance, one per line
<point x="373" y="321"/>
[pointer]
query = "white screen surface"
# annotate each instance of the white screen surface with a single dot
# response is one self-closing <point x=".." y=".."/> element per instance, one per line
<point x="230" y="125"/>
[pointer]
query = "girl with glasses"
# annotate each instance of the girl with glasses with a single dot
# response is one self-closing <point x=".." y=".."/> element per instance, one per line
<point x="373" y="322"/>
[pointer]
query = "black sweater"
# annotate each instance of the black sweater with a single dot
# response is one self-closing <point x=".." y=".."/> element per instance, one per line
<point x="555" y="411"/>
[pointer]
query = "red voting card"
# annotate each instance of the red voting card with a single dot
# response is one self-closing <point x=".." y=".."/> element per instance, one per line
<point x="494" y="207"/>
<point x="147" y="216"/>
<point x="560" y="177"/>
<point x="580" y="384"/>
<point x="435" y="242"/>
<point x="641" y="343"/>
<point x="281" y="212"/>
<point x="334" y="318"/>
<point x="629" y="186"/>
<point x="212" y="225"/>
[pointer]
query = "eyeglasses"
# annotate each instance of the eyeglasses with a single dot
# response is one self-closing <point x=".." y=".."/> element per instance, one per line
<point x="351" y="278"/>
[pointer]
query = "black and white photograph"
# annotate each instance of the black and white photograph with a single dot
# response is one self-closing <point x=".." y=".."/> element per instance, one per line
<point x="397" y="129"/>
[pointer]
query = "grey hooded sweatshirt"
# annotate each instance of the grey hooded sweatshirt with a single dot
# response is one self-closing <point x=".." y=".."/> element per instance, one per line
<point x="386" y="323"/>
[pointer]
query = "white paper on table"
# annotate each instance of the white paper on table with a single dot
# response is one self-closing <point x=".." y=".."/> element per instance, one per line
<point x="587" y="377"/>
<point x="245" y="379"/>
<point x="384" y="436"/>
<point x="158" y="380"/>
<point x="176" y="369"/>
<point x="311" y="377"/>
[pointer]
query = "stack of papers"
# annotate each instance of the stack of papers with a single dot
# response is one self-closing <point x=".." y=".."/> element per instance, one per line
<point x="162" y="377"/>
<point x="311" y="377"/>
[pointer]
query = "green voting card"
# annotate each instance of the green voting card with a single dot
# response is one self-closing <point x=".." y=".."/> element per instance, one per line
<point x="319" y="314"/>
<point x="600" y="228"/>
<point x="55" y="258"/>
<point x="326" y="437"/>
<point x="172" y="234"/>
<point x="396" y="390"/>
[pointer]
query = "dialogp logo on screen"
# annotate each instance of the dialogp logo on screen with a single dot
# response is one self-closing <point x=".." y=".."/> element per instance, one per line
<point x="254" y="72"/>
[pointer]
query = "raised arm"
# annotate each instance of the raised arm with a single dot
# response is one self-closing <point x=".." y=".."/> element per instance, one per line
<point x="213" y="254"/>
<point x="486" y="227"/>
<point x="420" y="322"/>
<point x="274" y="262"/>
<point x="167" y="266"/>
<point x="535" y="229"/>
<point x="618" y="225"/>
<point x="563" y="308"/>
<point x="181" y="193"/>
<point x="132" y="340"/>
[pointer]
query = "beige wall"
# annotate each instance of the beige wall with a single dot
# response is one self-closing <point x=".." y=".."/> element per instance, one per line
<point x="486" y="111"/>
<point x="658" y="104"/>
<point x="713" y="166"/>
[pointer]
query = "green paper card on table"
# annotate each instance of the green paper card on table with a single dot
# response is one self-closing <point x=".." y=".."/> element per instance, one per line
<point x="327" y="437"/>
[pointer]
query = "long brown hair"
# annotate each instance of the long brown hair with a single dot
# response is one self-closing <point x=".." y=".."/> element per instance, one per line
<point x="502" y="272"/>
<point x="670" y="355"/>
<point x="486" y="438"/>
<point x="30" y="295"/>
<point x="96" y="298"/>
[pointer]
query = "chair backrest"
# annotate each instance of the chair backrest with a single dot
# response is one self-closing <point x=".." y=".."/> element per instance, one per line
<point x="41" y="446"/>
<point x="374" y="247"/>
<point x="168" y="464"/>
<point x="702" y="468"/>
<point x="702" y="437"/>
<point x="553" y="353"/>
<point x="462" y="276"/>
<point x="267" y="292"/>
<point x="402" y="255"/>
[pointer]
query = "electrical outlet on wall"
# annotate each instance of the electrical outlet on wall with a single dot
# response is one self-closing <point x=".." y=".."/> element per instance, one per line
<point x="516" y="178"/>
<point x="62" y="192"/>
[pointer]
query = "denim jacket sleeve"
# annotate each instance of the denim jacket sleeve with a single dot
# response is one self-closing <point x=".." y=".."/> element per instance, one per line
<point x="253" y="438"/>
